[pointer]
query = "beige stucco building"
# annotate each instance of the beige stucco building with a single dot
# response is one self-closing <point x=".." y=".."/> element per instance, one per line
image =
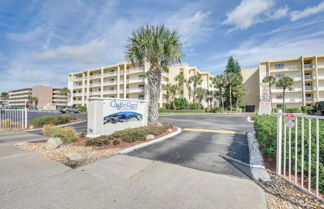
<point x="307" y="73"/>
<point x="48" y="97"/>
<point x="126" y="80"/>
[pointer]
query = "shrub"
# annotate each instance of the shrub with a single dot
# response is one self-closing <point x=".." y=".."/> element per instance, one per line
<point x="179" y="104"/>
<point x="97" y="142"/>
<point x="162" y="109"/>
<point x="195" y="106"/>
<point x="292" y="110"/>
<point x="54" y="120"/>
<point x="116" y="142"/>
<point x="305" y="109"/>
<point x="277" y="109"/>
<point x="216" y="109"/>
<point x="83" y="108"/>
<point x="266" y="131"/>
<point x="66" y="134"/>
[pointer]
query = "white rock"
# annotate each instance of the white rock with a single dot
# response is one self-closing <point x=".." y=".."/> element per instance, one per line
<point x="73" y="159"/>
<point x="150" y="136"/>
<point x="53" y="143"/>
<point x="169" y="129"/>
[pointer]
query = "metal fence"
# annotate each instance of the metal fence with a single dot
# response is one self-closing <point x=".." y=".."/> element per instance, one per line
<point x="13" y="119"/>
<point x="300" y="145"/>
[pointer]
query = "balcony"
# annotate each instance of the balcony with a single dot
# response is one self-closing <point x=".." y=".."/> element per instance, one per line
<point x="308" y="65"/>
<point x="284" y="68"/>
<point x="320" y="64"/>
<point x="20" y="92"/>
<point x="95" y="92"/>
<point x="95" y="84"/>
<point x="95" y="76"/>
<point x="134" y="89"/>
<point x="112" y="73"/>
<point x="308" y="88"/>
<point x="308" y="77"/>
<point x="76" y="86"/>
<point x="109" y="82"/>
<point x="79" y="78"/>
<point x="19" y="96"/>
<point x="77" y="94"/>
<point x="110" y="91"/>
<point x="309" y="99"/>
<point x="134" y="80"/>
<point x="135" y="70"/>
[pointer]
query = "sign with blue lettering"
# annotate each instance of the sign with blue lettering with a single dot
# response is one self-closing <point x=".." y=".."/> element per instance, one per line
<point x="106" y="116"/>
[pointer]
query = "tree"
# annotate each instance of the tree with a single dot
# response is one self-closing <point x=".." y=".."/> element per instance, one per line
<point x="200" y="92"/>
<point x="238" y="91"/>
<point x="160" y="47"/>
<point x="232" y="79"/>
<point x="196" y="80"/>
<point x="220" y="83"/>
<point x="66" y="92"/>
<point x="232" y="66"/>
<point x="173" y="90"/>
<point x="181" y="80"/>
<point x="166" y="88"/>
<point x="188" y="84"/>
<point x="29" y="101"/>
<point x="285" y="82"/>
<point x="210" y="97"/>
<point x="35" y="100"/>
<point x="4" y="95"/>
<point x="270" y="80"/>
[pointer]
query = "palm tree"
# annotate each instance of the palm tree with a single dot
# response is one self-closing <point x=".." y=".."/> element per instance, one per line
<point x="181" y="80"/>
<point x="210" y="96"/>
<point x="166" y="88"/>
<point x="173" y="90"/>
<point x="196" y="80"/>
<point x="160" y="47"/>
<point x="201" y="92"/>
<point x="285" y="82"/>
<point x="35" y="100"/>
<point x="66" y="92"/>
<point x="29" y="101"/>
<point x="231" y="80"/>
<point x="238" y="91"/>
<point x="188" y="84"/>
<point x="220" y="83"/>
<point x="271" y="81"/>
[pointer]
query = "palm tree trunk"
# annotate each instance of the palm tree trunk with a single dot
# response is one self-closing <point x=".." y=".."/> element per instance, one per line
<point x="154" y="81"/>
<point x="270" y="96"/>
<point x="194" y="94"/>
<point x="284" y="100"/>
<point x="230" y="97"/>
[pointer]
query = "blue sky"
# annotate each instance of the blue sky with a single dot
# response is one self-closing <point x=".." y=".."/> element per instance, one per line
<point x="43" y="40"/>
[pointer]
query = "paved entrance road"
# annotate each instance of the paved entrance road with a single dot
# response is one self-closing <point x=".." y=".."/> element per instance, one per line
<point x="222" y="153"/>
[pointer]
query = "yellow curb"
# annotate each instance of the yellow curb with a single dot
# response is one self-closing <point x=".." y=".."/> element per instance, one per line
<point x="213" y="131"/>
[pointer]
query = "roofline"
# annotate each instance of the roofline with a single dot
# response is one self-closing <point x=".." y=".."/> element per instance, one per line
<point x="292" y="58"/>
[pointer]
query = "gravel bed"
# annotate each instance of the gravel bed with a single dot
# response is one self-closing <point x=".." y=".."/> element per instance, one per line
<point x="283" y="195"/>
<point x="89" y="154"/>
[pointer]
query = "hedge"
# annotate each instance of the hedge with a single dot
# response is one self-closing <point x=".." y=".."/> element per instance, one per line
<point x="266" y="132"/>
<point x="53" y="120"/>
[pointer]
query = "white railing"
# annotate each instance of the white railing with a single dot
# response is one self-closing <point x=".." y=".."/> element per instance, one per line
<point x="308" y="66"/>
<point x="298" y="150"/>
<point x="13" y="119"/>
<point x="308" y="77"/>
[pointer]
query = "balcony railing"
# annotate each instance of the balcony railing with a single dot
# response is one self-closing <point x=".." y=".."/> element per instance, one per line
<point x="95" y="84"/>
<point x="134" y="89"/>
<point x="135" y="70"/>
<point x="110" y="73"/>
<point x="308" y="77"/>
<point x="308" y="65"/>
<point x="309" y="99"/>
<point x="110" y="91"/>
<point x="285" y="67"/>
<point x="131" y="80"/>
<point x="308" y="88"/>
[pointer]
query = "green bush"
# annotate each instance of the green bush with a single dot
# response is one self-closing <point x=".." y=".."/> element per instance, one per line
<point x="66" y="134"/>
<point x="178" y="104"/>
<point x="139" y="134"/>
<point x="216" y="110"/>
<point x="277" y="109"/>
<point x="53" y="120"/>
<point x="266" y="131"/>
<point x="304" y="109"/>
<point x="116" y="142"/>
<point x="195" y="106"/>
<point x="162" y="109"/>
<point x="292" y="110"/>
<point x="83" y="108"/>
<point x="97" y="142"/>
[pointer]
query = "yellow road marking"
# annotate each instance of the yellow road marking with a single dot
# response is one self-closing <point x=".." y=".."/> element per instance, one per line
<point x="214" y="131"/>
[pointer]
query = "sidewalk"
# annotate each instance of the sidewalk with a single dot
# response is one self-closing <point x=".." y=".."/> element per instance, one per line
<point x="30" y="181"/>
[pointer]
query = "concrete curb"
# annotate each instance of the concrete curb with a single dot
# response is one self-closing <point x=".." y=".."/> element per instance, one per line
<point x="63" y="125"/>
<point x="256" y="160"/>
<point x="145" y="144"/>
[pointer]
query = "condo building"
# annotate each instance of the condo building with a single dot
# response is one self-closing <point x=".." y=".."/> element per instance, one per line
<point x="307" y="73"/>
<point x="48" y="97"/>
<point x="127" y="80"/>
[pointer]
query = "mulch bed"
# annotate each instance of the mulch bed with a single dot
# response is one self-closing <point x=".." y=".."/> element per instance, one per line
<point x="83" y="140"/>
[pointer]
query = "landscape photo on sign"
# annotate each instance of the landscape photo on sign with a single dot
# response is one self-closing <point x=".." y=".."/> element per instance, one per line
<point x="121" y="117"/>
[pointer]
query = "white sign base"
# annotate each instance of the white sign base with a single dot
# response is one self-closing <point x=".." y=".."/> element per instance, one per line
<point x="107" y="115"/>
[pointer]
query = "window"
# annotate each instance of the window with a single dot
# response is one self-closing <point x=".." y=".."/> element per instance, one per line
<point x="141" y="96"/>
<point x="141" y="76"/>
<point x="279" y="106"/>
<point x="279" y="96"/>
<point x="279" y="66"/>
<point x="141" y="86"/>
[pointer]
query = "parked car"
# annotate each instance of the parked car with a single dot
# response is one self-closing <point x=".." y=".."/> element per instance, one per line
<point x="318" y="109"/>
<point x="69" y="109"/>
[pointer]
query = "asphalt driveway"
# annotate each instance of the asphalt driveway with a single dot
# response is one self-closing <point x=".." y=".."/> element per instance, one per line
<point x="199" y="147"/>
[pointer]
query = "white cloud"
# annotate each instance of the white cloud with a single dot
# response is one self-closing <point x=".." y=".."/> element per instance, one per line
<point x="91" y="52"/>
<point x="248" y="13"/>
<point x="279" y="13"/>
<point x="296" y="15"/>
<point x="32" y="35"/>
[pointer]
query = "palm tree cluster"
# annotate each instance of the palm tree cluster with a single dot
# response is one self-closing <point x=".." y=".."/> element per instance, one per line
<point x="32" y="100"/>
<point x="284" y="82"/>
<point x="229" y="85"/>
